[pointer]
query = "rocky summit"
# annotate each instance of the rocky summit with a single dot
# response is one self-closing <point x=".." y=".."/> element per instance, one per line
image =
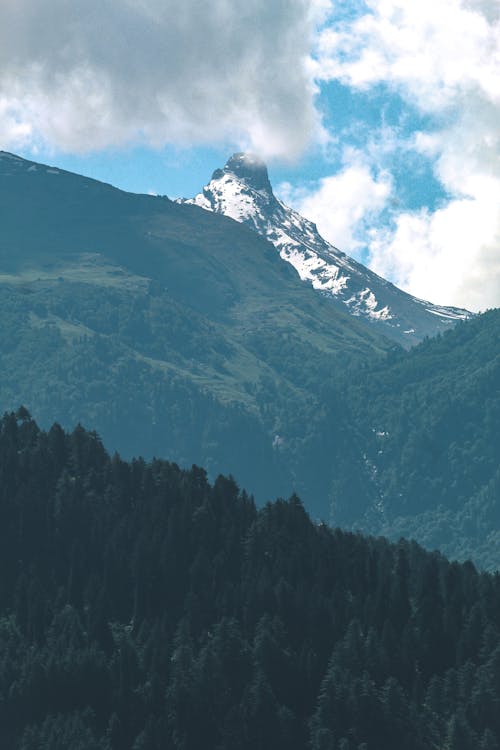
<point x="242" y="191"/>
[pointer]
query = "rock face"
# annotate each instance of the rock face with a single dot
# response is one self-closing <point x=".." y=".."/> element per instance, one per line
<point x="242" y="191"/>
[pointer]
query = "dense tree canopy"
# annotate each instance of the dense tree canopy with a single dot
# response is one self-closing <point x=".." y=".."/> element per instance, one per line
<point x="430" y="421"/>
<point x="143" y="608"/>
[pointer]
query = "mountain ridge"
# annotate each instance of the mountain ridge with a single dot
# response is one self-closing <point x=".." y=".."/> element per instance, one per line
<point x="181" y="333"/>
<point x="131" y="311"/>
<point x="242" y="191"/>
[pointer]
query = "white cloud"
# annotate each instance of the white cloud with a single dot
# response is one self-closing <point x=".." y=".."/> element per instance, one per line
<point x="434" y="51"/>
<point x="80" y="76"/>
<point x="344" y="205"/>
<point x="443" y="57"/>
<point x="450" y="256"/>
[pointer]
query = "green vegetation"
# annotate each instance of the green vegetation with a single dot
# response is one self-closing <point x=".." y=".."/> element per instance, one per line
<point x="181" y="334"/>
<point x="431" y="423"/>
<point x="143" y="608"/>
<point x="171" y="331"/>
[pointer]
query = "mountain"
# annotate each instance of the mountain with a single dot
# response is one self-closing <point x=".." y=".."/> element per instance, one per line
<point x="180" y="333"/>
<point x="242" y="191"/>
<point x="428" y="429"/>
<point x="174" y="332"/>
<point x="142" y="607"/>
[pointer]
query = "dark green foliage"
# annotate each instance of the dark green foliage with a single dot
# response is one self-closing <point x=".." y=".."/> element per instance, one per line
<point x="430" y="420"/>
<point x="143" y="608"/>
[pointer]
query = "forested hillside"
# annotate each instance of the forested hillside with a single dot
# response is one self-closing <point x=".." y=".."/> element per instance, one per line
<point x="143" y="608"/>
<point x="430" y="421"/>
<point x="181" y="334"/>
<point x="171" y="331"/>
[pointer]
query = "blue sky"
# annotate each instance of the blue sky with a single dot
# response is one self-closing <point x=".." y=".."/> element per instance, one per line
<point x="379" y="119"/>
<point x="182" y="171"/>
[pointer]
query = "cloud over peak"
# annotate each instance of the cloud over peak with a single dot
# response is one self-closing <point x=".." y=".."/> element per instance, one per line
<point x="84" y="76"/>
<point x="442" y="58"/>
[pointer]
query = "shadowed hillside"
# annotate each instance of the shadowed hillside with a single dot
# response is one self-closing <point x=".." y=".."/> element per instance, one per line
<point x="142" y="607"/>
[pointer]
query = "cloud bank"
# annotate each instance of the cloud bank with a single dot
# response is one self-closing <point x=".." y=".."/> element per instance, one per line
<point x="84" y="76"/>
<point x="344" y="206"/>
<point x="443" y="58"/>
<point x="80" y="76"/>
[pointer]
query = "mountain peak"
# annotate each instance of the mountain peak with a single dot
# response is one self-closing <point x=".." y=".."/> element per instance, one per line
<point x="242" y="191"/>
<point x="249" y="168"/>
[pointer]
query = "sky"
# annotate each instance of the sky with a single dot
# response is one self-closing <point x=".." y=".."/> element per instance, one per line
<point x="378" y="119"/>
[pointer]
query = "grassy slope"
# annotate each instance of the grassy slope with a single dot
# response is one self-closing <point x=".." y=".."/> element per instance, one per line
<point x="172" y="331"/>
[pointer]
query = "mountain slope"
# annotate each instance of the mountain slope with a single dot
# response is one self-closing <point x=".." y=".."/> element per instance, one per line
<point x="180" y="333"/>
<point x="242" y="191"/>
<point x="175" y="332"/>
<point x="429" y="424"/>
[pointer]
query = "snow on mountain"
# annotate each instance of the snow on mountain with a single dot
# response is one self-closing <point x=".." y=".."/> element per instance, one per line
<point x="242" y="191"/>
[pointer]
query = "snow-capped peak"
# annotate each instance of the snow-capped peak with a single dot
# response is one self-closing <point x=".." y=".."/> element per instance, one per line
<point x="242" y="191"/>
<point x="249" y="169"/>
